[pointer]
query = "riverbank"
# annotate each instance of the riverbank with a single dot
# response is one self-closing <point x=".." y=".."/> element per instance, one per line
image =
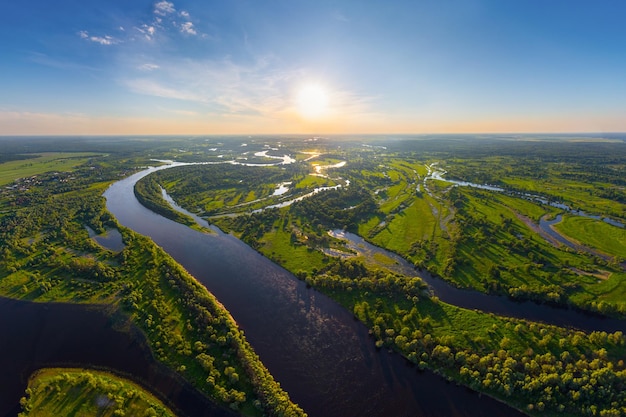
<point x="50" y="257"/>
<point x="488" y="353"/>
<point x="55" y="392"/>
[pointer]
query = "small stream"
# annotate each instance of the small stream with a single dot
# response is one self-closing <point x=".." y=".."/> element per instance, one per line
<point x="544" y="224"/>
<point x="475" y="300"/>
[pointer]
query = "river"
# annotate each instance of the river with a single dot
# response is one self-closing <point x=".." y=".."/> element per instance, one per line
<point x="318" y="352"/>
<point x="497" y="304"/>
<point x="545" y="225"/>
<point x="38" y="335"/>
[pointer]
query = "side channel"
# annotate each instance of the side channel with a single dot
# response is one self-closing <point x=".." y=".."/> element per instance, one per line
<point x="315" y="349"/>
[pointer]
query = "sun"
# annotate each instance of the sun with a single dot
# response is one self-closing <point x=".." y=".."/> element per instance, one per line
<point x="312" y="101"/>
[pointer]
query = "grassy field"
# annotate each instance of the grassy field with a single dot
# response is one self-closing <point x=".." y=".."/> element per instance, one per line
<point x="595" y="233"/>
<point x="416" y="222"/>
<point x="314" y="181"/>
<point x="72" y="392"/>
<point x="45" y="162"/>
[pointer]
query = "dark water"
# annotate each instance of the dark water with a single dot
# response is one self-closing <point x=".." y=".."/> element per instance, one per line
<point x="36" y="335"/>
<point x="490" y="303"/>
<point x="316" y="350"/>
<point x="111" y="239"/>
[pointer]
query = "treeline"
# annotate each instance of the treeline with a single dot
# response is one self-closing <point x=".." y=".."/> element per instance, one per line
<point x="94" y="393"/>
<point x="538" y="368"/>
<point x="47" y="255"/>
<point x="541" y="369"/>
<point x="164" y="298"/>
<point x="148" y="192"/>
<point x="6" y="157"/>
<point x="343" y="208"/>
<point x="192" y="185"/>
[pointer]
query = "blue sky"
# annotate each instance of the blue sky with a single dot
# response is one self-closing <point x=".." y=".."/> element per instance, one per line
<point x="233" y="66"/>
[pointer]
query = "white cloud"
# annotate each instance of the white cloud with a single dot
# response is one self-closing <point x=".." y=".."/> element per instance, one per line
<point x="185" y="14"/>
<point x="164" y="8"/>
<point x="102" y="40"/>
<point x="148" y="67"/>
<point x="188" y="28"/>
<point x="147" y="31"/>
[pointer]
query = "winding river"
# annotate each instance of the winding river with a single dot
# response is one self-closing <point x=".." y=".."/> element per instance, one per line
<point x="317" y="351"/>
<point x="476" y="300"/>
<point x="324" y="358"/>
<point x="545" y="224"/>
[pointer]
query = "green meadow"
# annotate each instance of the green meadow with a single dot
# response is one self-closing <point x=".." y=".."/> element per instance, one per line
<point x="71" y="392"/>
<point x="40" y="163"/>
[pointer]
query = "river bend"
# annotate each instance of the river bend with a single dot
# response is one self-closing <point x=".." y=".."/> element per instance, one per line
<point x="318" y="352"/>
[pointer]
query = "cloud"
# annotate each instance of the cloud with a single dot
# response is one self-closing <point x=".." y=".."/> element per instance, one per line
<point x="184" y="14"/>
<point x="227" y="89"/>
<point x="154" y="88"/>
<point x="102" y="40"/>
<point x="106" y="40"/>
<point x="188" y="28"/>
<point x="163" y="8"/>
<point x="147" y="31"/>
<point x="148" y="67"/>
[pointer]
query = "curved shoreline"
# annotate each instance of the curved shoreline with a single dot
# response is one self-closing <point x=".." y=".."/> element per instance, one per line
<point x="297" y="384"/>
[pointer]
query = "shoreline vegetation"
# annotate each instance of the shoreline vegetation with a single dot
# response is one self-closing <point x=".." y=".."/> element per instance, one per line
<point x="471" y="237"/>
<point x="48" y="256"/>
<point x="537" y="368"/>
<point x="55" y="392"/>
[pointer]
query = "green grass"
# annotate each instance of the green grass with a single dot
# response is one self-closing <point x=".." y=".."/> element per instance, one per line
<point x="611" y="291"/>
<point x="594" y="233"/>
<point x="314" y="181"/>
<point x="527" y="208"/>
<point x="54" y="392"/>
<point x="46" y="162"/>
<point x="414" y="223"/>
<point x="277" y="245"/>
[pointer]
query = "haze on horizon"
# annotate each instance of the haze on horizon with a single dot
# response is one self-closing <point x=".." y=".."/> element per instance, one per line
<point x="294" y="66"/>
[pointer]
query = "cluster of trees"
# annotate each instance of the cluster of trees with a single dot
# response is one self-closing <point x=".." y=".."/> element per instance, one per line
<point x="148" y="192"/>
<point x="209" y="343"/>
<point x="541" y="369"/>
<point x="57" y="392"/>
<point x="342" y="208"/>
<point x="351" y="274"/>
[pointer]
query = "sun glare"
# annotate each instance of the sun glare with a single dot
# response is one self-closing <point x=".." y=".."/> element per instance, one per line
<point x="312" y="101"/>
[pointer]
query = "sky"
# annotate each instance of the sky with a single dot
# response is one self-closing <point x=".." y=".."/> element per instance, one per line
<point x="116" y="67"/>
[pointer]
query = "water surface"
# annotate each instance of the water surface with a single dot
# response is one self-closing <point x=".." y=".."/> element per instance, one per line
<point x="318" y="352"/>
